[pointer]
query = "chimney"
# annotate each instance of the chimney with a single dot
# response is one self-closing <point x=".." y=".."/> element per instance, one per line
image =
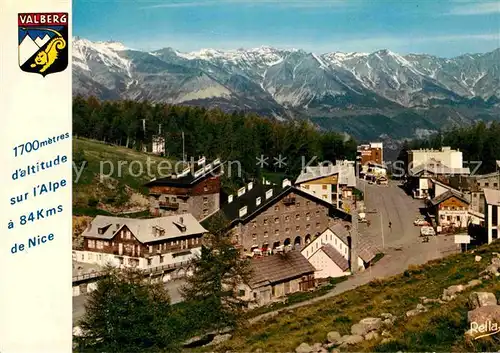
<point x="250" y="186"/>
<point x="230" y="199"/>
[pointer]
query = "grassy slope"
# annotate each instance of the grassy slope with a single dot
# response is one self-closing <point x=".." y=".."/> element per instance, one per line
<point x="440" y="329"/>
<point x="117" y="191"/>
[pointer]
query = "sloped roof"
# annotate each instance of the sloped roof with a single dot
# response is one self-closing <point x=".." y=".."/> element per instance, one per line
<point x="335" y="256"/>
<point x="278" y="268"/>
<point x="366" y="250"/>
<point x="445" y="196"/>
<point x="345" y="171"/>
<point x="492" y="197"/>
<point x="193" y="177"/>
<point x="143" y="229"/>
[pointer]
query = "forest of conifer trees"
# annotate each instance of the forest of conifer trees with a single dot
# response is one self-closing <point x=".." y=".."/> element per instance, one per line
<point x="209" y="132"/>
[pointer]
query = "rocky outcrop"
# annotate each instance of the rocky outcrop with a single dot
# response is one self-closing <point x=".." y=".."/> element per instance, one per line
<point x="480" y="299"/>
<point x="366" y="325"/>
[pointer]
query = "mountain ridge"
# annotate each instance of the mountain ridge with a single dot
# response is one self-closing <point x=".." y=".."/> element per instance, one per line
<point x="288" y="83"/>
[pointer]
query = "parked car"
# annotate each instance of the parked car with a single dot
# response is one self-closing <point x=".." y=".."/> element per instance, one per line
<point x="420" y="222"/>
<point x="426" y="231"/>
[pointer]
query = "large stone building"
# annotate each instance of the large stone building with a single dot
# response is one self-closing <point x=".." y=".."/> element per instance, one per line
<point x="196" y="190"/>
<point x="274" y="277"/>
<point x="332" y="183"/>
<point x="141" y="243"/>
<point x="266" y="218"/>
<point x="491" y="215"/>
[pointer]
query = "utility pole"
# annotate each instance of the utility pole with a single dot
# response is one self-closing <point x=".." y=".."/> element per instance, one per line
<point x="354" y="240"/>
<point x="382" y="229"/>
<point x="183" y="148"/>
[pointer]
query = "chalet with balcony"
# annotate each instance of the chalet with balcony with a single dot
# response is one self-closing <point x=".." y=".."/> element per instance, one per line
<point x="141" y="243"/>
<point x="449" y="211"/>
<point x="265" y="219"/>
<point x="196" y="190"/>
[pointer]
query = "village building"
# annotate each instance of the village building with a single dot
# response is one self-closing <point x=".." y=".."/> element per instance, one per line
<point x="330" y="252"/>
<point x="449" y="212"/>
<point x="477" y="185"/>
<point x="266" y="218"/>
<point x="370" y="152"/>
<point x="452" y="159"/>
<point x="195" y="190"/>
<point x="332" y="183"/>
<point x="418" y="178"/>
<point x="276" y="276"/>
<point x="491" y="216"/>
<point x="141" y="243"/>
<point x="158" y="145"/>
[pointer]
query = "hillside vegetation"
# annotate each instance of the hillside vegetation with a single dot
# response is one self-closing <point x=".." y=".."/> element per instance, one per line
<point x="439" y="329"/>
<point x="111" y="180"/>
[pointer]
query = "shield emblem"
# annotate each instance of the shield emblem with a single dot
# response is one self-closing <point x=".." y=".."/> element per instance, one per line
<point x="43" y="42"/>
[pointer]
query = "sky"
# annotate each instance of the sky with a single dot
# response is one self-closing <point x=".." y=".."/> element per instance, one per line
<point x="444" y="28"/>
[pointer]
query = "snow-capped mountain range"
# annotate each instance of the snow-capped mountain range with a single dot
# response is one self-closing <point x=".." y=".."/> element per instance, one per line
<point x="284" y="82"/>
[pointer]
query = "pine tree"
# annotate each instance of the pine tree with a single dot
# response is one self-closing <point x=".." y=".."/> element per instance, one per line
<point x="213" y="289"/>
<point x="127" y="313"/>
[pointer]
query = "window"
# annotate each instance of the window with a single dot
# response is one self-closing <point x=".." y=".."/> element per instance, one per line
<point x="324" y="187"/>
<point x="91" y="244"/>
<point x="458" y="218"/>
<point x="205" y="188"/>
<point x="308" y="226"/>
<point x="277" y="232"/>
<point x="287" y="218"/>
<point x="150" y="249"/>
<point x="448" y="218"/>
<point x="266" y="234"/>
<point x="276" y="208"/>
<point x="297" y="216"/>
<point x="265" y="222"/>
<point x="306" y="187"/>
<point x="276" y="220"/>
<point x="205" y="200"/>
<point x="308" y="216"/>
<point x="162" y="258"/>
<point x="297" y="204"/>
<point x="486" y="184"/>
<point x="495" y="185"/>
<point x="297" y="228"/>
<point x="99" y="244"/>
<point x="205" y="212"/>
<point x="241" y="293"/>
<point x="287" y="230"/>
<point x="325" y="197"/>
<point x="308" y="203"/>
<point x="254" y="224"/>
<point x="317" y="226"/>
<point x="254" y="236"/>
<point x="317" y="213"/>
<point x="149" y="262"/>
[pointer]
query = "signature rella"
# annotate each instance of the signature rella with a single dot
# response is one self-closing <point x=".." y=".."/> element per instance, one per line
<point x="485" y="329"/>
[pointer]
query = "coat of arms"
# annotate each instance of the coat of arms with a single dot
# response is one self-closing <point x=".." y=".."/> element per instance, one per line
<point x="43" y="42"/>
